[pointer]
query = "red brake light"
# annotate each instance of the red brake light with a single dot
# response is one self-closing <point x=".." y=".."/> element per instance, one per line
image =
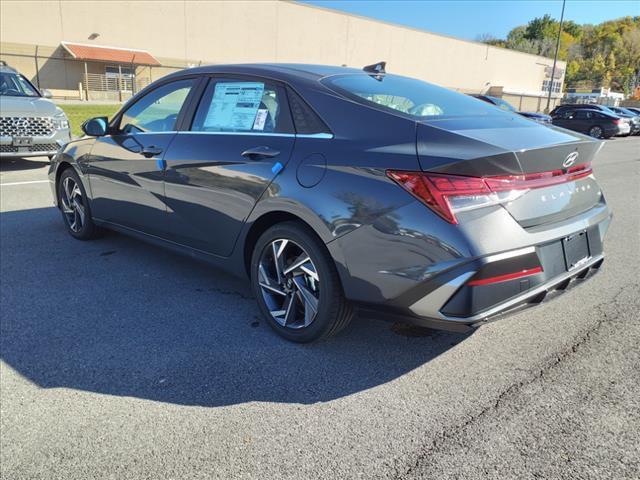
<point x="505" y="277"/>
<point x="448" y="194"/>
<point x="616" y="121"/>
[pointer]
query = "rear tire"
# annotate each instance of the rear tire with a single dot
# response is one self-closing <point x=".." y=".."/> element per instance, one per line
<point x="296" y="284"/>
<point x="74" y="206"/>
<point x="596" y="132"/>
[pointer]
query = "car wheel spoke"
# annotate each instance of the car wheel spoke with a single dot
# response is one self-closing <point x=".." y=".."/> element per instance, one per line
<point x="310" y="300"/>
<point x="278" y="248"/>
<point x="267" y="282"/>
<point x="299" y="262"/>
<point x="66" y="208"/>
<point x="290" y="314"/>
<point x="79" y="208"/>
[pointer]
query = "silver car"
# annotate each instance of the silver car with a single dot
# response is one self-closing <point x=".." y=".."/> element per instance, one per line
<point x="30" y="124"/>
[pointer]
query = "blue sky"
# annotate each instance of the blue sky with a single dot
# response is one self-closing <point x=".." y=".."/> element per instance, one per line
<point x="468" y="18"/>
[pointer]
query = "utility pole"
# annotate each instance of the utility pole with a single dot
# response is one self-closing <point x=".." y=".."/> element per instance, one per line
<point x="555" y="58"/>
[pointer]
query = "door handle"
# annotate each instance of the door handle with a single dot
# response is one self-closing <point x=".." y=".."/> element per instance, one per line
<point x="256" y="153"/>
<point x="151" y="151"/>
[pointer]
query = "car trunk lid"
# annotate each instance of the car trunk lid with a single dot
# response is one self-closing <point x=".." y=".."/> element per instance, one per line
<point x="519" y="150"/>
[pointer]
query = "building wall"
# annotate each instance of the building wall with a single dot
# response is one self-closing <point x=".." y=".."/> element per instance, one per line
<point x="183" y="32"/>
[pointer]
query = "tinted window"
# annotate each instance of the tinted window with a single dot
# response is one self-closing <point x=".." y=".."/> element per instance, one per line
<point x="243" y="106"/>
<point x="503" y="104"/>
<point x="305" y="119"/>
<point x="158" y="110"/>
<point x="408" y="96"/>
<point x="13" y="85"/>
<point x="582" y="114"/>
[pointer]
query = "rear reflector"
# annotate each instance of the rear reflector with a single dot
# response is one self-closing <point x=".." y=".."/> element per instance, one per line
<point x="449" y="194"/>
<point x="505" y="277"/>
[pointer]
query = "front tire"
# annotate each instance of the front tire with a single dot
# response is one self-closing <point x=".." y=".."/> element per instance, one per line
<point x="296" y="284"/>
<point x="74" y="206"/>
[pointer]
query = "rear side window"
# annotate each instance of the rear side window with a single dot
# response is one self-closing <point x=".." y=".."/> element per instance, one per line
<point x="305" y="119"/>
<point x="243" y="106"/>
<point x="408" y="96"/>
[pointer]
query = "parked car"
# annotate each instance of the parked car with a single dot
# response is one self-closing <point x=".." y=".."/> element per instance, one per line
<point x="577" y="106"/>
<point x="503" y="104"/>
<point x="622" y="130"/>
<point x="595" y="123"/>
<point x="338" y="190"/>
<point x="634" y="118"/>
<point x="30" y="123"/>
<point x="634" y="110"/>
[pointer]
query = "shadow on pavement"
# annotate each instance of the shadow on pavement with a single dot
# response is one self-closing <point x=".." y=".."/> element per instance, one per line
<point x="13" y="164"/>
<point x="119" y="317"/>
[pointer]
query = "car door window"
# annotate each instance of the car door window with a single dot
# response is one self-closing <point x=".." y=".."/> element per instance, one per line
<point x="582" y="115"/>
<point x="568" y="114"/>
<point x="158" y="110"/>
<point x="243" y="106"/>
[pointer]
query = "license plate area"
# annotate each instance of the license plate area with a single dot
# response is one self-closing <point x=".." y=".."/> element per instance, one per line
<point x="576" y="250"/>
<point x="22" y="141"/>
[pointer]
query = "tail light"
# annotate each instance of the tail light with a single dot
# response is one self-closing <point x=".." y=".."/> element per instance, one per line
<point x="450" y="194"/>
<point x="616" y="121"/>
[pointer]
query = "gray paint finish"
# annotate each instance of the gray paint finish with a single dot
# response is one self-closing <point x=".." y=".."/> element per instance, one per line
<point x="389" y="248"/>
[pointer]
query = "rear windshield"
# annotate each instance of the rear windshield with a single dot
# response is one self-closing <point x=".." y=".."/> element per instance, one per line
<point x="408" y="96"/>
<point x="503" y="104"/>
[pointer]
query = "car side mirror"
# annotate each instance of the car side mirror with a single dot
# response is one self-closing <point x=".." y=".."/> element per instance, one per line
<point x="46" y="93"/>
<point x="95" y="127"/>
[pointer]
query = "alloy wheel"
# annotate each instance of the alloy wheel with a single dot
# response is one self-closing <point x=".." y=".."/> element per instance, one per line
<point x="289" y="283"/>
<point x="595" y="132"/>
<point x="72" y="204"/>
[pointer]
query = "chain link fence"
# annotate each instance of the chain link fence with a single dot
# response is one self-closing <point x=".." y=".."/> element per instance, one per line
<point x="76" y="80"/>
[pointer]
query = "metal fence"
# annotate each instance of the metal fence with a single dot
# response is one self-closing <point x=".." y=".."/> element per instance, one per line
<point x="100" y="86"/>
<point x="68" y="79"/>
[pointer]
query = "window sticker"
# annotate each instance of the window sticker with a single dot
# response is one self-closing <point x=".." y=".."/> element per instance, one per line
<point x="261" y="119"/>
<point x="234" y="106"/>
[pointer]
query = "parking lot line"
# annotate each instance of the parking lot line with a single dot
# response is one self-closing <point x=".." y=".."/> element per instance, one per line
<point x="9" y="184"/>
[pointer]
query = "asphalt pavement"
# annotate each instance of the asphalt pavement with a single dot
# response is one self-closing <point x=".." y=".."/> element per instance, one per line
<point x="120" y="360"/>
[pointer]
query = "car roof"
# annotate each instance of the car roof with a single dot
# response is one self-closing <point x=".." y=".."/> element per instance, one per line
<point x="597" y="110"/>
<point x="286" y="72"/>
<point x="7" y="69"/>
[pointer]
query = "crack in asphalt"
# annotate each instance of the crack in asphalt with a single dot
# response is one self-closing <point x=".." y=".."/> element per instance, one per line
<point x="607" y="311"/>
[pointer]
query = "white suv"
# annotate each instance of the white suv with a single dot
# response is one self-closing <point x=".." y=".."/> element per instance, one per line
<point x="30" y="124"/>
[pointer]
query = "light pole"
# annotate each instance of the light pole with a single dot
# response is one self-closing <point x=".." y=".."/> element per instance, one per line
<point x="555" y="58"/>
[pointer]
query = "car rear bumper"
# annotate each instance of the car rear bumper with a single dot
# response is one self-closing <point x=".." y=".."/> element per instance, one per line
<point x="624" y="129"/>
<point x="389" y="274"/>
<point x="530" y="297"/>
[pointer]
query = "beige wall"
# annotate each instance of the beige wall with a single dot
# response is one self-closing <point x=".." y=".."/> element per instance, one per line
<point x="188" y="31"/>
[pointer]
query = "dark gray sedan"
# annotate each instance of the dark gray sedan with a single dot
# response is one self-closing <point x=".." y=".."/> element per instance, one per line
<point x="337" y="190"/>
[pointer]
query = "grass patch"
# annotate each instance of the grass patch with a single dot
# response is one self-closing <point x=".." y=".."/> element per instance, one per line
<point x="77" y="114"/>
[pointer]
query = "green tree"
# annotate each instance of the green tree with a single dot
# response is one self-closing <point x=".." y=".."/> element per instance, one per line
<point x="604" y="54"/>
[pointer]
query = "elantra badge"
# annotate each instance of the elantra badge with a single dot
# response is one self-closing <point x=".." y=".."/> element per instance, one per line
<point x="570" y="160"/>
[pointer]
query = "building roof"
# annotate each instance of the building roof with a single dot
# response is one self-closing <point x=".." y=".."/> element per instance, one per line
<point x="98" y="53"/>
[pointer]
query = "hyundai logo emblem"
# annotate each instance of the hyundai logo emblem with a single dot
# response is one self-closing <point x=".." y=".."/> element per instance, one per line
<point x="570" y="160"/>
<point x="21" y="126"/>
